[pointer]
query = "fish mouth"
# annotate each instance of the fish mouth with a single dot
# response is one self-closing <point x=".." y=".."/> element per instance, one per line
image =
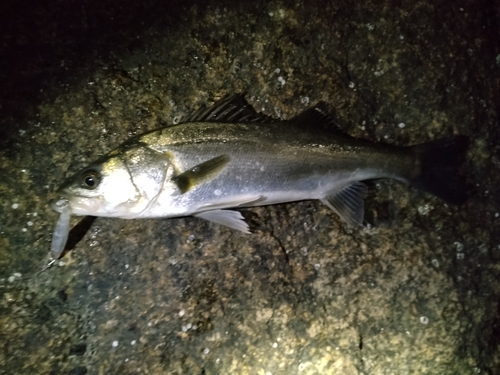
<point x="78" y="205"/>
<point x="58" y="204"/>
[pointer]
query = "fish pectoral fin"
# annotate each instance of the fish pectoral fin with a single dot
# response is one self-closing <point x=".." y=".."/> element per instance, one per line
<point x="200" y="173"/>
<point x="348" y="203"/>
<point x="228" y="218"/>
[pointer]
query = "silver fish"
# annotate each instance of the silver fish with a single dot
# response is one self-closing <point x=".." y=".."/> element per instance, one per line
<point x="229" y="156"/>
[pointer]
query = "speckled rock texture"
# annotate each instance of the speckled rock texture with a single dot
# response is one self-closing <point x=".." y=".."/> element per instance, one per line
<point x="415" y="292"/>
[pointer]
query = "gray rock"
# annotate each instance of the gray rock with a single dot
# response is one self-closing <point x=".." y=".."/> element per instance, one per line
<point x="416" y="292"/>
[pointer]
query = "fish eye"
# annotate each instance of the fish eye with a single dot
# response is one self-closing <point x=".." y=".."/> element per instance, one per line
<point x="90" y="179"/>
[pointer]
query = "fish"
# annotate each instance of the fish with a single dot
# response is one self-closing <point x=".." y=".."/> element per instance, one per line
<point x="229" y="156"/>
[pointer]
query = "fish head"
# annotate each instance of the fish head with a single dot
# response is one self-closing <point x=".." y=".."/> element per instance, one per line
<point x="104" y="188"/>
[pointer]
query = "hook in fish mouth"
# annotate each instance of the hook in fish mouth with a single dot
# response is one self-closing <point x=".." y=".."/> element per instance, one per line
<point x="58" y="204"/>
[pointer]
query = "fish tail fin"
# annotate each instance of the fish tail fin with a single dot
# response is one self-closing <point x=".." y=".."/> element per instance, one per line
<point x="440" y="162"/>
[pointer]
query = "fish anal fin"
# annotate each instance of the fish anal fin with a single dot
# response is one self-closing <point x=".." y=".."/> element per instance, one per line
<point x="348" y="203"/>
<point x="200" y="173"/>
<point x="228" y="218"/>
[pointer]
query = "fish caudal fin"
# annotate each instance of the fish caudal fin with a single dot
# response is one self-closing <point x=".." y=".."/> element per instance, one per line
<point x="440" y="162"/>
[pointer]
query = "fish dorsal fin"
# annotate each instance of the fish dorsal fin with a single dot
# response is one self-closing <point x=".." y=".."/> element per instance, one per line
<point x="316" y="116"/>
<point x="200" y="173"/>
<point x="228" y="218"/>
<point x="231" y="108"/>
<point x="348" y="203"/>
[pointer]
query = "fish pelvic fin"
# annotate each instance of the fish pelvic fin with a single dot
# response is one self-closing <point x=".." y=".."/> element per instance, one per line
<point x="440" y="163"/>
<point x="348" y="203"/>
<point x="237" y="202"/>
<point x="228" y="218"/>
<point x="200" y="173"/>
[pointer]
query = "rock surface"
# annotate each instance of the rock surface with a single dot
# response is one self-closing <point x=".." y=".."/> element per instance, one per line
<point x="415" y="292"/>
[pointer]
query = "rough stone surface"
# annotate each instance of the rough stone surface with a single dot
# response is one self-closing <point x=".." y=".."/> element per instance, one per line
<point x="416" y="292"/>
